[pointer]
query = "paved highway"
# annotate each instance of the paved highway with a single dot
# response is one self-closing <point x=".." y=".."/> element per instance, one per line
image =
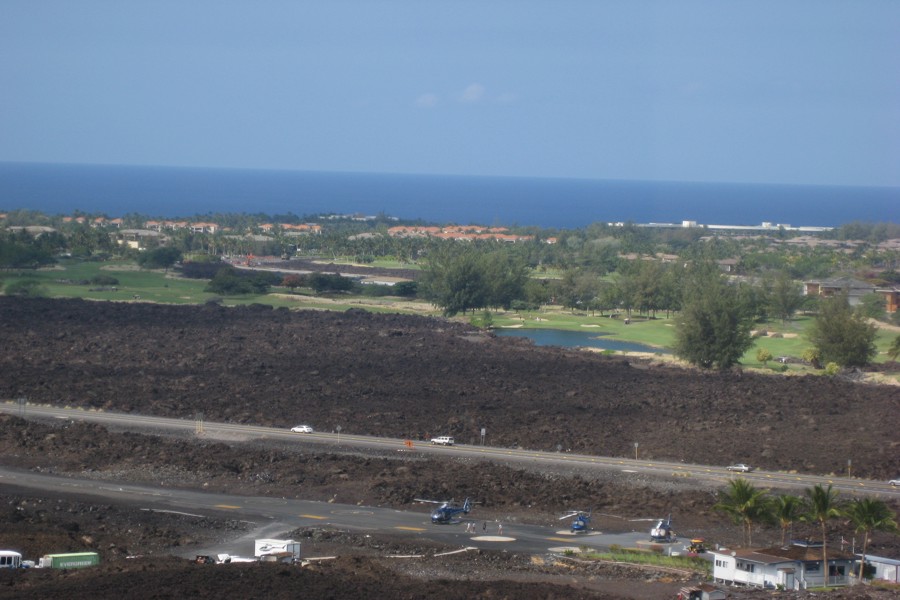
<point x="513" y="457"/>
<point x="274" y="517"/>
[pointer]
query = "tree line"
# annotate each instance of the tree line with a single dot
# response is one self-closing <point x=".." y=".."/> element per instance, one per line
<point x="714" y="313"/>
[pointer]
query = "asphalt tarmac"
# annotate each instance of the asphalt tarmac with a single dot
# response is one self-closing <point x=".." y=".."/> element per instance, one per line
<point x="274" y="517"/>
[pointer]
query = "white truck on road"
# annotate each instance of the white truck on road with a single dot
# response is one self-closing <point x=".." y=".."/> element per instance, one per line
<point x="739" y="468"/>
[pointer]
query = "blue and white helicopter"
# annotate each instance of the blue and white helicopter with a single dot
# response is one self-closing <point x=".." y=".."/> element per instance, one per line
<point x="444" y="513"/>
<point x="581" y="523"/>
<point x="663" y="532"/>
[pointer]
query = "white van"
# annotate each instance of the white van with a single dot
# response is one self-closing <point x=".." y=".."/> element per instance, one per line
<point x="444" y="440"/>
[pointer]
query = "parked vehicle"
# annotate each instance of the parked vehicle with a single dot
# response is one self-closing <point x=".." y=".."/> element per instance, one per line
<point x="277" y="550"/>
<point x="894" y="482"/>
<point x="443" y="514"/>
<point x="698" y="546"/>
<point x="71" y="560"/>
<point x="444" y="440"/>
<point x="10" y="559"/>
<point x="740" y="468"/>
<point x="663" y="532"/>
<point x="302" y="429"/>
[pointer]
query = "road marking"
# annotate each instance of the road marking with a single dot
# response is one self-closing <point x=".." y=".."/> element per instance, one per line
<point x="229" y="506"/>
<point x="556" y="539"/>
<point x="466" y="549"/>
<point x="409" y="528"/>
<point x="313" y="517"/>
<point x="174" y="512"/>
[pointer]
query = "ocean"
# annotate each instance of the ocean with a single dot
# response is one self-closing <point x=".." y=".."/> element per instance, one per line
<point x="169" y="192"/>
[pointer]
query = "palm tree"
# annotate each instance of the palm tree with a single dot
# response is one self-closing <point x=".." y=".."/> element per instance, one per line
<point x="746" y="504"/>
<point x="822" y="506"/>
<point x="867" y="515"/>
<point x="787" y="509"/>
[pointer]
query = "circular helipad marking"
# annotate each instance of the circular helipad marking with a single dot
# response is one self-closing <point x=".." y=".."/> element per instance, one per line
<point x="577" y="534"/>
<point x="352" y="512"/>
<point x="493" y="538"/>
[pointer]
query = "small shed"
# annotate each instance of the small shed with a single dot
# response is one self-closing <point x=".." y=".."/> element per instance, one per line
<point x="704" y="591"/>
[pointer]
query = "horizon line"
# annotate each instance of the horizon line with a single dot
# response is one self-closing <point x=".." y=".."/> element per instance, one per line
<point x="448" y="175"/>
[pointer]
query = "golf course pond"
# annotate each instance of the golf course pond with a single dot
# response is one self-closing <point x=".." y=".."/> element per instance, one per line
<point x="574" y="339"/>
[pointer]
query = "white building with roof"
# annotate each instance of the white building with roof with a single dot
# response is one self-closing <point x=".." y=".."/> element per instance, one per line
<point x="795" y="567"/>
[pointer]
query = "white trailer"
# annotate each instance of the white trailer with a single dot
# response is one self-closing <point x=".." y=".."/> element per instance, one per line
<point x="277" y="550"/>
<point x="10" y="559"/>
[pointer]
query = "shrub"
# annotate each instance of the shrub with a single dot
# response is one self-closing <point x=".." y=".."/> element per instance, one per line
<point x="375" y="290"/>
<point x="27" y="288"/>
<point x="485" y="320"/>
<point x="832" y="369"/>
<point x="201" y="270"/>
<point x="406" y="288"/>
<point x="104" y="280"/>
<point x="813" y="357"/>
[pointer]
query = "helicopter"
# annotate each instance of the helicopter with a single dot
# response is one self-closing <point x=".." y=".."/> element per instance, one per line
<point x="662" y="531"/>
<point x="444" y="513"/>
<point x="581" y="522"/>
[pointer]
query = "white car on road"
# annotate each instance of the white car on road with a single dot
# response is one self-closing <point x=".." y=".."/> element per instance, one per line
<point x="894" y="482"/>
<point x="740" y="468"/>
<point x="302" y="429"/>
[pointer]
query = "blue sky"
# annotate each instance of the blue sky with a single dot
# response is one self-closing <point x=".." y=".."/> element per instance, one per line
<point x="782" y="91"/>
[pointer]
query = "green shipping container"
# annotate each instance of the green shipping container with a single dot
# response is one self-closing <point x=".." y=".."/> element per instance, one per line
<point x="73" y="560"/>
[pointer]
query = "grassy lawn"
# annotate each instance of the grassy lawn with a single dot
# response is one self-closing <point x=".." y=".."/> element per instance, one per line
<point x="381" y="263"/>
<point x="148" y="285"/>
<point x="159" y="286"/>
<point x="155" y="286"/>
<point x="657" y="559"/>
<point x="659" y="332"/>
